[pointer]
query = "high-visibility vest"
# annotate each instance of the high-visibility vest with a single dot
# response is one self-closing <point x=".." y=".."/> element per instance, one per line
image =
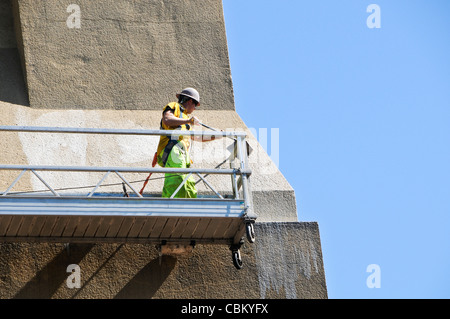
<point x="166" y="143"/>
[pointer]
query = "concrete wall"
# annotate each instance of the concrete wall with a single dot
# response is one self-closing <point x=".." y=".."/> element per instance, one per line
<point x="126" y="54"/>
<point x="118" y="70"/>
<point x="286" y="262"/>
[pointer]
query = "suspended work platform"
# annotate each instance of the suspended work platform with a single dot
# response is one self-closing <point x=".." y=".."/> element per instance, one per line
<point x="120" y="220"/>
<point x="137" y="217"/>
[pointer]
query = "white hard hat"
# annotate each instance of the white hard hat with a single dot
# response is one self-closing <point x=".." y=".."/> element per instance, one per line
<point x="190" y="92"/>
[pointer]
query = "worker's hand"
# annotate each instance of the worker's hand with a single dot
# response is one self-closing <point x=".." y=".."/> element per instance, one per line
<point x="194" y="121"/>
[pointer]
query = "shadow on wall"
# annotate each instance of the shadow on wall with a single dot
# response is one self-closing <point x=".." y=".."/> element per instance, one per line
<point x="147" y="281"/>
<point x="49" y="278"/>
<point x="12" y="84"/>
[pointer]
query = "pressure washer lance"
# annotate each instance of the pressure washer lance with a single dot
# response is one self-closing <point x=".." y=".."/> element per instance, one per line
<point x="249" y="148"/>
<point x="209" y="127"/>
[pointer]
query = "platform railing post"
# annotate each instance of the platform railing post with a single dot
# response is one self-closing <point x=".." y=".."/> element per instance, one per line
<point x="241" y="145"/>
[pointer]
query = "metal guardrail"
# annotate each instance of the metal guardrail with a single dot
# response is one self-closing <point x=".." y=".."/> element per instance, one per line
<point x="239" y="176"/>
<point x="96" y="217"/>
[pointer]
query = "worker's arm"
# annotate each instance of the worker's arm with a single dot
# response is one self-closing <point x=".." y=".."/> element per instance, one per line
<point x="171" y="120"/>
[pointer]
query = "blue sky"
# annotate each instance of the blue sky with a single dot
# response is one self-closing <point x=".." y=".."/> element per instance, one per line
<point x="364" y="119"/>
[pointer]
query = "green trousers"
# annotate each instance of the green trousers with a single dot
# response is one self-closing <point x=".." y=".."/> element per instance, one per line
<point x="178" y="158"/>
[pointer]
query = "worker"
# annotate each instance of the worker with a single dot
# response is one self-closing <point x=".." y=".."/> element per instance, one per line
<point x="173" y="151"/>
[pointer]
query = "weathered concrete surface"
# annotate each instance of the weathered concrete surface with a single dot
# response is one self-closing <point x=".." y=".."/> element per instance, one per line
<point x="285" y="262"/>
<point x="126" y="55"/>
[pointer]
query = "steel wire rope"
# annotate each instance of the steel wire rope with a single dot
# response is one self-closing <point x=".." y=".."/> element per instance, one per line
<point x="83" y="187"/>
<point x="89" y="186"/>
